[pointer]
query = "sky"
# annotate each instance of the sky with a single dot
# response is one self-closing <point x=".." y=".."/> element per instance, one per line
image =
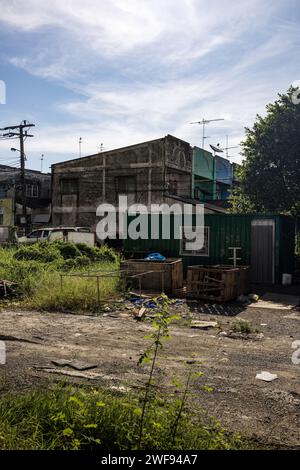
<point x="119" y="72"/>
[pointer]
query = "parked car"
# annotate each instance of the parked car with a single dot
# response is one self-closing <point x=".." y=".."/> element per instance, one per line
<point x="51" y="233"/>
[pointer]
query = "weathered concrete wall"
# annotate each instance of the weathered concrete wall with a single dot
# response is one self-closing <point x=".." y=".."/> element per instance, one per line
<point x="144" y="171"/>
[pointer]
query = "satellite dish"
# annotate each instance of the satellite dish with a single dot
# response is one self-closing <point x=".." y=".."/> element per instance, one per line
<point x="216" y="149"/>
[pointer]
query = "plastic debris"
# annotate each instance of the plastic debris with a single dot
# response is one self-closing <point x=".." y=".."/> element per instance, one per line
<point x="155" y="257"/>
<point x="203" y="325"/>
<point x="253" y="297"/>
<point x="77" y="365"/>
<point x="266" y="376"/>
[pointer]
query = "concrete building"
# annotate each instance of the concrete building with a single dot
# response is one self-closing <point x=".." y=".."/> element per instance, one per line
<point x="38" y="197"/>
<point x="158" y="171"/>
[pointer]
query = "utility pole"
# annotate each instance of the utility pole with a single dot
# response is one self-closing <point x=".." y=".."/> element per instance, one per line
<point x="229" y="148"/>
<point x="42" y="161"/>
<point x="21" y="132"/>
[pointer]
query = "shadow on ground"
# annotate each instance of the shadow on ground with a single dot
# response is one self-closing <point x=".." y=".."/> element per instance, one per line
<point x="228" y="309"/>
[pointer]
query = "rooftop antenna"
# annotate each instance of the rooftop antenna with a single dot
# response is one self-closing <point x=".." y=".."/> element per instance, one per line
<point x="80" y="146"/>
<point x="228" y="148"/>
<point x="203" y="123"/>
<point x="42" y="161"/>
<point x="102" y="147"/>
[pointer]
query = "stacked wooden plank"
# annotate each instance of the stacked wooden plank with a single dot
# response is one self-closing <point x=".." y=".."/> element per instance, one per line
<point x="216" y="283"/>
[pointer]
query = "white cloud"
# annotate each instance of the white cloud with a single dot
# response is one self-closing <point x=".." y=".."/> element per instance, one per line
<point x="143" y="68"/>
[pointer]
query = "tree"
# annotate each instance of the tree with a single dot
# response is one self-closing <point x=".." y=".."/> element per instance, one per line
<point x="270" y="173"/>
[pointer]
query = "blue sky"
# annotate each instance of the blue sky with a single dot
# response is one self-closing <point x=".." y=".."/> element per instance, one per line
<point x="119" y="72"/>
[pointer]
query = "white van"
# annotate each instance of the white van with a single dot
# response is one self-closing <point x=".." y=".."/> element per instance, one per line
<point x="52" y="233"/>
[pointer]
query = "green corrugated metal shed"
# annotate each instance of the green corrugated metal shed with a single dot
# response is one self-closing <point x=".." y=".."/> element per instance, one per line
<point x="229" y="230"/>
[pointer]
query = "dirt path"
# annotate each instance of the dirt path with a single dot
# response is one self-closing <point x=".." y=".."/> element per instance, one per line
<point x="269" y="412"/>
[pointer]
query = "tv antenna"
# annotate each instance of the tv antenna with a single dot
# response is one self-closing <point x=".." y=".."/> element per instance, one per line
<point x="203" y="123"/>
<point x="229" y="148"/>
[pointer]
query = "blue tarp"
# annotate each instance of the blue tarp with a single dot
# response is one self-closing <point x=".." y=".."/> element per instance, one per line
<point x="155" y="257"/>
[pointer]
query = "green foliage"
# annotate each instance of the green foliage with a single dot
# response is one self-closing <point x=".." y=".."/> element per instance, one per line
<point x="270" y="174"/>
<point x="76" y="263"/>
<point x="243" y="326"/>
<point x="43" y="252"/>
<point x="77" y="418"/>
<point x="68" y="250"/>
<point x="161" y="331"/>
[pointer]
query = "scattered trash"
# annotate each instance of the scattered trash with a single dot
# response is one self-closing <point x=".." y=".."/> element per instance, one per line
<point x="264" y="324"/>
<point x="71" y="373"/>
<point x="141" y="313"/>
<point x="203" y="325"/>
<point x="120" y="388"/>
<point x="2" y="353"/>
<point x="77" y="365"/>
<point x="140" y="301"/>
<point x="266" y="376"/>
<point x="253" y="297"/>
<point x="17" y="338"/>
<point x="247" y="336"/>
<point x="155" y="257"/>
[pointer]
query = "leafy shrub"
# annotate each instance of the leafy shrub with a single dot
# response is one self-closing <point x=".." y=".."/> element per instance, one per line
<point x="243" y="326"/>
<point x="106" y="254"/>
<point x="43" y="252"/>
<point x="87" y="250"/>
<point x="76" y="263"/>
<point x="68" y="250"/>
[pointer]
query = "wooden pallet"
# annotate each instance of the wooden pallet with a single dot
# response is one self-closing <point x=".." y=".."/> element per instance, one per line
<point x="216" y="283"/>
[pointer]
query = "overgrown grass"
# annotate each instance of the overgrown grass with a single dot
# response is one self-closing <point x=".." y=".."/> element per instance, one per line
<point x="37" y="271"/>
<point x="69" y="418"/>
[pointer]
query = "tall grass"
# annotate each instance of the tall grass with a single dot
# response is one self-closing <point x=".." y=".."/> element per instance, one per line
<point x="39" y="282"/>
<point x="69" y="418"/>
<point x="75" y="294"/>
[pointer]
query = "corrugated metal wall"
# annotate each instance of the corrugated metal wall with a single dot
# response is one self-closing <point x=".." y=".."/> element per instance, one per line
<point x="226" y="230"/>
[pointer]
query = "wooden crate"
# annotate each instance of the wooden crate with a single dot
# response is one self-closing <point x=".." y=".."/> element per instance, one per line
<point x="243" y="281"/>
<point x="217" y="283"/>
<point x="164" y="275"/>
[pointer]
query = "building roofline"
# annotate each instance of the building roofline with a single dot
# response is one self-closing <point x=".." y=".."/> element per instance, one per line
<point x="128" y="147"/>
<point x="15" y="168"/>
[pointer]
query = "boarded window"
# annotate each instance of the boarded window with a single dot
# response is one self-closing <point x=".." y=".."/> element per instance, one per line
<point x="69" y="186"/>
<point x="203" y="252"/>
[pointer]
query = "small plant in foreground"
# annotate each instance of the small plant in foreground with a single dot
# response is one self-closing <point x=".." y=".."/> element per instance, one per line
<point x="161" y="331"/>
<point x="243" y="326"/>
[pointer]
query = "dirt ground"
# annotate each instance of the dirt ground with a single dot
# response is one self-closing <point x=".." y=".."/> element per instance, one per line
<point x="268" y="413"/>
